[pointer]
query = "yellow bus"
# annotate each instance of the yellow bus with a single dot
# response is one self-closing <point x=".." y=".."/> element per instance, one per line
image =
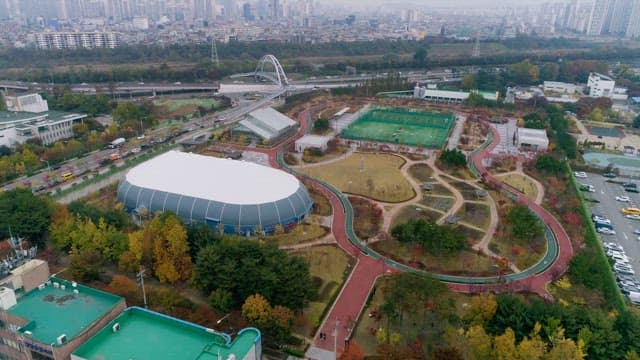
<point x="67" y="176"/>
<point x="630" y="211"/>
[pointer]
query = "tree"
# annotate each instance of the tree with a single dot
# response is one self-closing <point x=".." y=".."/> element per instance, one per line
<point x="524" y="224"/>
<point x="468" y="82"/>
<point x="221" y="300"/>
<point x="25" y="215"/>
<point x="549" y="72"/>
<point x="282" y="322"/>
<point x="524" y="72"/>
<point x="548" y="163"/>
<point x="481" y="309"/>
<point x="257" y="311"/>
<point x="321" y="125"/>
<point x="505" y="346"/>
<point x="85" y="263"/>
<point x="636" y="122"/>
<point x="480" y="344"/>
<point x="453" y="157"/>
<point x="420" y="56"/>
<point x="3" y="104"/>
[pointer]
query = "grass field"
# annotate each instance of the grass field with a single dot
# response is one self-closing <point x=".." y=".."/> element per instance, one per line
<point x="172" y="108"/>
<point x="413" y="212"/>
<point x="521" y="183"/>
<point x="376" y="176"/>
<point x="300" y="234"/>
<point x="464" y="263"/>
<point x="421" y="172"/>
<point x="441" y="203"/>
<point x="329" y="266"/>
<point x="477" y="215"/>
<point x="414" y="128"/>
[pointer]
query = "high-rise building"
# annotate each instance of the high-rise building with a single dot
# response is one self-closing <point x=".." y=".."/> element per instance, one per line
<point x="633" y="28"/>
<point x="619" y="17"/>
<point x="203" y="9"/>
<point x="598" y="17"/>
<point x="229" y="11"/>
<point x="247" y="12"/>
<point x="74" y="40"/>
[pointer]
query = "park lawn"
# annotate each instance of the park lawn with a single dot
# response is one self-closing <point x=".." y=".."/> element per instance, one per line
<point x="475" y="214"/>
<point x="521" y="183"/>
<point x="330" y="154"/>
<point x="376" y="176"/>
<point x="461" y="49"/>
<point x="524" y="256"/>
<point x="464" y="263"/>
<point x="329" y="266"/>
<point x="177" y="105"/>
<point x="460" y="172"/>
<point x="419" y="325"/>
<point x="321" y="205"/>
<point x="300" y="234"/>
<point x="439" y="189"/>
<point x="414" y="212"/>
<point x="104" y="199"/>
<point x="421" y="172"/>
<point x="439" y="203"/>
<point x="468" y="191"/>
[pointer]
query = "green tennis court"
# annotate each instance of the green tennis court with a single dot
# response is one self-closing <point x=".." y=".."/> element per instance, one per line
<point x="405" y="127"/>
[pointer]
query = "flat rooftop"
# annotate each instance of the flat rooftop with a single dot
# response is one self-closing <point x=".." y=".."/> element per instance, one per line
<point x="145" y="334"/>
<point x="53" y="311"/>
<point x="210" y="178"/>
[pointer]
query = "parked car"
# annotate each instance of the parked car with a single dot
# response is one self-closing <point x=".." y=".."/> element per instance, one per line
<point x="623" y="198"/>
<point x="613" y="246"/>
<point x="600" y="219"/>
<point x="609" y="175"/>
<point x="632" y="217"/>
<point x="636" y="231"/>
<point x="606" y="231"/>
<point x="580" y="174"/>
<point x="587" y="187"/>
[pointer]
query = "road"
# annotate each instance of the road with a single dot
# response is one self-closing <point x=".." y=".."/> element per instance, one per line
<point x="606" y="193"/>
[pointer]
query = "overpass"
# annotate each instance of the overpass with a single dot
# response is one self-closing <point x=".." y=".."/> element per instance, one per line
<point x="116" y="89"/>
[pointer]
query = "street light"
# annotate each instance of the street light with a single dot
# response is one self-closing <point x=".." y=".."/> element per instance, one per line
<point x="48" y="166"/>
<point x="222" y="319"/>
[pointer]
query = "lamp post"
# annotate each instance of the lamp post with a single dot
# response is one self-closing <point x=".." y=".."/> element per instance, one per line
<point x="48" y="166"/>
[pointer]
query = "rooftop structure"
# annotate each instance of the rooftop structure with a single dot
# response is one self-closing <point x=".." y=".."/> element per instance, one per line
<point x="57" y="316"/>
<point x="534" y="139"/>
<point x="266" y="123"/>
<point x="432" y="93"/>
<point x="142" y="334"/>
<point x="33" y="103"/>
<point x="239" y="196"/>
<point x="312" y="141"/>
<point x="560" y="87"/>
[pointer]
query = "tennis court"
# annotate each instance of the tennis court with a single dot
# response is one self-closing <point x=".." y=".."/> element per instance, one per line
<point x="430" y="130"/>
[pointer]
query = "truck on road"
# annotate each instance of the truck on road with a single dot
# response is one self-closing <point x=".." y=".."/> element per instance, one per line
<point x="117" y="143"/>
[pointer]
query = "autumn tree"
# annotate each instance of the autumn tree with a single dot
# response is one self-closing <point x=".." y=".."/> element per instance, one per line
<point x="524" y="72"/>
<point x="162" y="246"/>
<point x="281" y="322"/>
<point x="481" y="308"/>
<point x="468" y="82"/>
<point x="257" y="311"/>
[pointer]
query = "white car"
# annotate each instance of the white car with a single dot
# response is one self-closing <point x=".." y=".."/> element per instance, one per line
<point x="601" y="220"/>
<point x="580" y="174"/>
<point x="632" y="217"/>
<point x="623" y="198"/>
<point x="606" y="231"/>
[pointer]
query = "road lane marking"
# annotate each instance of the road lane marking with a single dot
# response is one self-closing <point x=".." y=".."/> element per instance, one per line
<point x="625" y="236"/>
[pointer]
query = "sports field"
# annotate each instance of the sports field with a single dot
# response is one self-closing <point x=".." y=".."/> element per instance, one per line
<point x="405" y="127"/>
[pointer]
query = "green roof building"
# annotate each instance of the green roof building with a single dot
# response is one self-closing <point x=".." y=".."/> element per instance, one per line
<point x="53" y="319"/>
<point x="143" y="334"/>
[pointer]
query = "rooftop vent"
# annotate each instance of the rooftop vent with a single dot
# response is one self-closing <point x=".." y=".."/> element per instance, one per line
<point x="115" y="327"/>
<point x="62" y="339"/>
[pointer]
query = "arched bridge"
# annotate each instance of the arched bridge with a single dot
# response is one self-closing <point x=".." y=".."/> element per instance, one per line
<point x="268" y="69"/>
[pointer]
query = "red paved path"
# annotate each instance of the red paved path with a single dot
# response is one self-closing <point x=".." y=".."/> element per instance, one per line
<point x="537" y="282"/>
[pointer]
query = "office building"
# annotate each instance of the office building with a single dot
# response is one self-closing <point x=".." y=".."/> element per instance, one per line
<point x="633" y="28"/>
<point x="600" y="85"/>
<point x="598" y="17"/>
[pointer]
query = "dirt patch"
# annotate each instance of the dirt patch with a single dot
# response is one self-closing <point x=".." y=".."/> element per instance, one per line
<point x="421" y="172"/>
<point x="475" y="214"/>
<point x="368" y="215"/>
<point x="413" y="212"/>
<point x="443" y="204"/>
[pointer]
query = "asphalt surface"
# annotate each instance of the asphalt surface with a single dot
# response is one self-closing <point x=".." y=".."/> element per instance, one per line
<point x="608" y="207"/>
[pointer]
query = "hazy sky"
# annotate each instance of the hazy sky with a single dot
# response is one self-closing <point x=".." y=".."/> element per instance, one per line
<point x="439" y="3"/>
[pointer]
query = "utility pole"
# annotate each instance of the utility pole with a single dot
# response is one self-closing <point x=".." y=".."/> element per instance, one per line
<point x="214" y="52"/>
<point x="140" y="279"/>
<point x="476" y="47"/>
<point x="335" y="340"/>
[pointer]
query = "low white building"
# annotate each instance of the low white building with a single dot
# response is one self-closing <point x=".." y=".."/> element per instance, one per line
<point x="600" y="85"/>
<point x="532" y="139"/>
<point x="433" y="93"/>
<point x="559" y="87"/>
<point x="312" y="141"/>
<point x="266" y="123"/>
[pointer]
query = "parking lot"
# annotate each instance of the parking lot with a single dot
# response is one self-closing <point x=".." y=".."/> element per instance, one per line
<point x="609" y="207"/>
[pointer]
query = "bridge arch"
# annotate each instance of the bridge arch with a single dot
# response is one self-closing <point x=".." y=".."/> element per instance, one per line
<point x="277" y="75"/>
